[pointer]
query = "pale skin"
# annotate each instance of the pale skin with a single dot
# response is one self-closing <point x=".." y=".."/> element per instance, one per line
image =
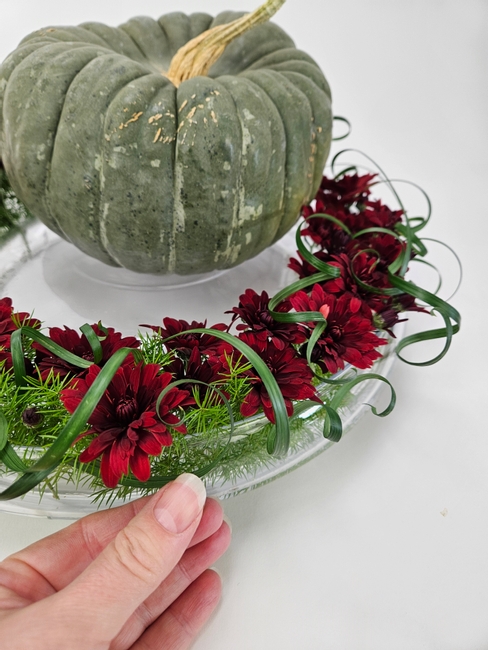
<point x="133" y="577"/>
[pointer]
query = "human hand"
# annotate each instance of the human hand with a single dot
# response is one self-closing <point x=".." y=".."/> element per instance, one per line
<point x="132" y="577"/>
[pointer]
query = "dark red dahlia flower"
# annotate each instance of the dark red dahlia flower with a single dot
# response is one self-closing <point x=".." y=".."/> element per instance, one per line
<point x="292" y="375"/>
<point x="5" y="359"/>
<point x="348" y="336"/>
<point x="303" y="268"/>
<point x="386" y="248"/>
<point x="260" y="326"/>
<point x="125" y="424"/>
<point x="11" y="321"/>
<point x="78" y="344"/>
<point x="325" y="232"/>
<point x="208" y="371"/>
<point x="365" y="268"/>
<point x="348" y="189"/>
<point x="375" y="215"/>
<point x="207" y="344"/>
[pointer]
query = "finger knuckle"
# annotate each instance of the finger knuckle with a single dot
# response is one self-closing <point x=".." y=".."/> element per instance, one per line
<point x="135" y="552"/>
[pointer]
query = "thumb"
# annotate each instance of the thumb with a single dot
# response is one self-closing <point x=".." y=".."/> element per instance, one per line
<point x="135" y="563"/>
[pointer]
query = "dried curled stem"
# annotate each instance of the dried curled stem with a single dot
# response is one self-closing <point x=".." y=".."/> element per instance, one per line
<point x="198" y="55"/>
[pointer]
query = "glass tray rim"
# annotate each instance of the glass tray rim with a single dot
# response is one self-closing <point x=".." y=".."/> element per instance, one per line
<point x="74" y="502"/>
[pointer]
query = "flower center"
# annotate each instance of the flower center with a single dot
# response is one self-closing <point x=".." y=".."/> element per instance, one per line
<point x="126" y="409"/>
<point x="336" y="332"/>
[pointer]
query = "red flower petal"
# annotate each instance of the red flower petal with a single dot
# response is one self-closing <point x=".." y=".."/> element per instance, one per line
<point x="139" y="464"/>
<point x="109" y="477"/>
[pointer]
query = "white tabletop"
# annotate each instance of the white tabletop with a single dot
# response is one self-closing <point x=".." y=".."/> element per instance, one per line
<point x="381" y="543"/>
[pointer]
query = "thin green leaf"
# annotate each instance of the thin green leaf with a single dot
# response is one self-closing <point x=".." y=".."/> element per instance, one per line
<point x="423" y="220"/>
<point x="446" y="311"/>
<point x="327" y="217"/>
<point x="333" y="382"/>
<point x="278" y="441"/>
<point x="377" y="229"/>
<point x="343" y="172"/>
<point x="459" y="263"/>
<point x="23" y="485"/>
<point x="296" y="317"/>
<point x="10" y="458"/>
<point x="93" y="341"/>
<point x="345" y="390"/>
<point x="385" y="178"/>
<point x="18" y="361"/>
<point x="417" y="244"/>
<point x="73" y="359"/>
<point x="316" y="334"/>
<point x="3" y="431"/>
<point x="367" y="287"/>
<point x="338" y="118"/>
<point x="323" y="267"/>
<point x="294" y="287"/>
<point x="419" y="260"/>
<point x="332" y="424"/>
<point x="407" y="252"/>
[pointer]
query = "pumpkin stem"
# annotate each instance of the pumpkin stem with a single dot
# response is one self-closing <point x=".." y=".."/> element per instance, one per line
<point x="198" y="55"/>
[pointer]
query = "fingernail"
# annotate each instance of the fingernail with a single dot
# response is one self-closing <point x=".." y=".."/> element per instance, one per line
<point x="217" y="571"/>
<point x="227" y="521"/>
<point x="180" y="503"/>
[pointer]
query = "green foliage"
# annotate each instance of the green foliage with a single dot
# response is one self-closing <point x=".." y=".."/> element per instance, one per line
<point x="153" y="350"/>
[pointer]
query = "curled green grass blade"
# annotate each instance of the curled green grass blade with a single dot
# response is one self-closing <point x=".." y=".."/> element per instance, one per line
<point x="3" y="431"/>
<point x="73" y="359"/>
<point x="344" y="391"/>
<point x="93" y="342"/>
<point x="458" y="261"/>
<point x="34" y="335"/>
<point x="367" y="287"/>
<point x="323" y="267"/>
<point x="18" y="360"/>
<point x="446" y="311"/>
<point x="417" y="244"/>
<point x="327" y="217"/>
<point x="384" y="176"/>
<point x="332" y="421"/>
<point x="303" y="316"/>
<point x="316" y="334"/>
<point x="10" y="458"/>
<point x="8" y="455"/>
<point x="338" y="118"/>
<point x="332" y="424"/>
<point x="423" y="221"/>
<point x="409" y="233"/>
<point x="419" y="260"/>
<point x="279" y="440"/>
<point x="23" y="485"/>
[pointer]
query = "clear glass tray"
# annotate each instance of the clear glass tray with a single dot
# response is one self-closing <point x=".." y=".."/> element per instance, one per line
<point x="43" y="273"/>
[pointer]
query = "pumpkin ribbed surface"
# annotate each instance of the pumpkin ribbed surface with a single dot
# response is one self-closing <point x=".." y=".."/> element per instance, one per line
<point x="135" y="172"/>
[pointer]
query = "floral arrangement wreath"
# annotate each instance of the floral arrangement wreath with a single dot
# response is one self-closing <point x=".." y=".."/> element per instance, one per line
<point x="132" y="413"/>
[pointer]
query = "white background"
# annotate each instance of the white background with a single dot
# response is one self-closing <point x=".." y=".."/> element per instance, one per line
<point x="381" y="543"/>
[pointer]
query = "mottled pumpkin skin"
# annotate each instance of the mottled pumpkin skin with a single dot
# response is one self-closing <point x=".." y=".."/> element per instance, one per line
<point x="103" y="148"/>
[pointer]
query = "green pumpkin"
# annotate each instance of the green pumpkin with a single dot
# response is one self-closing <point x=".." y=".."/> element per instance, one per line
<point x="139" y="173"/>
